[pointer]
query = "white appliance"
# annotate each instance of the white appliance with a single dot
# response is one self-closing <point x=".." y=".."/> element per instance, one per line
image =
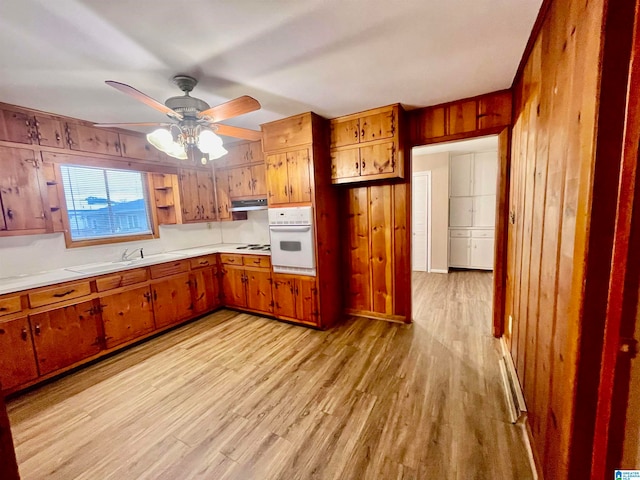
<point x="292" y="244"/>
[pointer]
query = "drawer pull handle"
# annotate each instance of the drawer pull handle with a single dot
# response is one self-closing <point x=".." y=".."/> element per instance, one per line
<point x="204" y="262"/>
<point x="60" y="295"/>
<point x="3" y="309"/>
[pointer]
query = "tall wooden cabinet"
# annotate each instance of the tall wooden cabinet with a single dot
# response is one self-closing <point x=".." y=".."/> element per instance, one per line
<point x="298" y="172"/>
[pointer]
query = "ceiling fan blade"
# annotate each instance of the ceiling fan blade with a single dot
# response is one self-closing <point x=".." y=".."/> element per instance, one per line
<point x="238" y="132"/>
<point x="142" y="124"/>
<point x="146" y="99"/>
<point x="232" y="108"/>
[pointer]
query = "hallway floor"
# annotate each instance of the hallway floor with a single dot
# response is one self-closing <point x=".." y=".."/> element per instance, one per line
<point x="235" y="396"/>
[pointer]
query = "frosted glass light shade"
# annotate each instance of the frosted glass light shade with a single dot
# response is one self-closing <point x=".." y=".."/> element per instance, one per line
<point x="161" y="138"/>
<point x="208" y="141"/>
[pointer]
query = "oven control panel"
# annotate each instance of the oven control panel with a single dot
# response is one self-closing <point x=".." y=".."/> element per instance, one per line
<point x="291" y="216"/>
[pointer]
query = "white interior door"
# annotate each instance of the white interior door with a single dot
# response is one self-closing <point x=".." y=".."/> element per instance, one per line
<point x="420" y="212"/>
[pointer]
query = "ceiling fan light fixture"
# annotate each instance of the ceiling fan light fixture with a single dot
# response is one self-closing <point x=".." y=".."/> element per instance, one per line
<point x="208" y="141"/>
<point x="161" y="138"/>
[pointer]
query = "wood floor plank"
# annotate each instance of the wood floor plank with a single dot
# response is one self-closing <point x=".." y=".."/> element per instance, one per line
<point x="234" y="396"/>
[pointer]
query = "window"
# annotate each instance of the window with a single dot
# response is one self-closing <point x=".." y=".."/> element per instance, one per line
<point x="105" y="204"/>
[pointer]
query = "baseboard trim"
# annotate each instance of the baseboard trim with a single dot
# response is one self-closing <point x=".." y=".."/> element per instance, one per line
<point x="438" y="270"/>
<point x="512" y="384"/>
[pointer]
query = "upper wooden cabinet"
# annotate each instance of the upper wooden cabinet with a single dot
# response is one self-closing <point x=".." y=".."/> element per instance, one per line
<point x="197" y="195"/>
<point x="134" y="146"/>
<point x="21" y="191"/>
<point x="22" y="127"/>
<point x="92" y="139"/>
<point x="289" y="158"/>
<point x="289" y="177"/>
<point x="367" y="146"/>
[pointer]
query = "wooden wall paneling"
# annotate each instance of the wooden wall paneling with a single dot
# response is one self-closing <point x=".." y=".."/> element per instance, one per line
<point x="501" y="230"/>
<point x="495" y="110"/>
<point x="8" y="462"/>
<point x="622" y="302"/>
<point x="462" y="117"/>
<point x="357" y="248"/>
<point x="597" y="217"/>
<point x="380" y="221"/>
<point x="402" y="249"/>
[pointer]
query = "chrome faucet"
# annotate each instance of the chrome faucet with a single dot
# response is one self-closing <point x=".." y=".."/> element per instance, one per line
<point x="127" y="256"/>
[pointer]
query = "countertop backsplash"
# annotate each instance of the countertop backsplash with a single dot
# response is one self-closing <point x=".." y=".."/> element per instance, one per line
<point x="253" y="230"/>
<point x="30" y="254"/>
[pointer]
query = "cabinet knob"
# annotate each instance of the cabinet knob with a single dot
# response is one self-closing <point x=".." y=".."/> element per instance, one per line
<point x="23" y="334"/>
<point x="37" y="329"/>
<point x="10" y="213"/>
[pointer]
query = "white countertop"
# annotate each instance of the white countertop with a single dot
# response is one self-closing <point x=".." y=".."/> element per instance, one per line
<point x="67" y="274"/>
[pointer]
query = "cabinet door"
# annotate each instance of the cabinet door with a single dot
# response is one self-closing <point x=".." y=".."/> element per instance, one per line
<point x="259" y="296"/>
<point x="461" y="211"/>
<point x="277" y="179"/>
<point x="377" y="159"/>
<point x="189" y="195"/>
<point x="255" y="152"/>
<point x="92" y="139"/>
<point x="299" y="176"/>
<point x="460" y="168"/>
<point x="484" y="211"/>
<point x="284" y="298"/>
<point x="205" y="290"/>
<point x="258" y="180"/>
<point x="15" y="127"/>
<point x="345" y="163"/>
<point x="65" y="336"/>
<point x="137" y="147"/>
<point x="206" y="195"/>
<point x="306" y="300"/>
<point x="345" y="132"/>
<point x="49" y="131"/>
<point x="377" y="126"/>
<point x="240" y="184"/>
<point x="17" y="358"/>
<point x="222" y="192"/>
<point x="485" y="173"/>
<point x="459" y="255"/>
<point x="482" y="253"/>
<point x="172" y="300"/>
<point x="233" y="287"/>
<point x="126" y="315"/>
<point x="20" y="190"/>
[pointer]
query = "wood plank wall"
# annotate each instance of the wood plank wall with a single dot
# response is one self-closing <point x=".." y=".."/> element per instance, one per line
<point x="565" y="151"/>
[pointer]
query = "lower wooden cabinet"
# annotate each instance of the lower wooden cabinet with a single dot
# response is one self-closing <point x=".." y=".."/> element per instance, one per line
<point x="205" y="290"/>
<point x="233" y="290"/>
<point x="172" y="300"/>
<point x="259" y="295"/>
<point x="126" y="315"/>
<point x="295" y="298"/>
<point x="247" y="287"/>
<point x="65" y="335"/>
<point x="17" y="358"/>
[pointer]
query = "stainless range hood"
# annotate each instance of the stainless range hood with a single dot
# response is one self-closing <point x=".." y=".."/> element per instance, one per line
<point x="248" y="205"/>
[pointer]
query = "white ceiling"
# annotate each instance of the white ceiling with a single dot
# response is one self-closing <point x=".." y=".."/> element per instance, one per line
<point x="333" y="57"/>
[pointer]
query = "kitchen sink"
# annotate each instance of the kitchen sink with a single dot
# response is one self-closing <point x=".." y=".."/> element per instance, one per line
<point x="106" y="267"/>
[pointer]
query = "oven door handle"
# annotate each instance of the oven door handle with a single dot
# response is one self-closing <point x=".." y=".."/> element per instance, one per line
<point x="290" y="228"/>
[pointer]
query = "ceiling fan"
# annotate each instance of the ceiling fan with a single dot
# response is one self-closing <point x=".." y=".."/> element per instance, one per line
<point x="194" y="123"/>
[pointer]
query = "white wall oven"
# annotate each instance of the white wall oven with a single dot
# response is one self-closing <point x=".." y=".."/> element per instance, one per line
<point x="292" y="240"/>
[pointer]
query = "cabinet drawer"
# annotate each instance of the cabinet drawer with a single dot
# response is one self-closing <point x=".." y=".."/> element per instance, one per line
<point x="123" y="279"/>
<point x="459" y="233"/>
<point x="59" y="294"/>
<point x="257" y="261"/>
<point x="202" y="262"/>
<point x="10" y="305"/>
<point x="169" y="268"/>
<point x="482" y="233"/>
<point x="231" y="259"/>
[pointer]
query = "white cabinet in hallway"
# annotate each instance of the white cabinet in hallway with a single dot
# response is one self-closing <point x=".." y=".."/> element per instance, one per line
<point x="472" y="209"/>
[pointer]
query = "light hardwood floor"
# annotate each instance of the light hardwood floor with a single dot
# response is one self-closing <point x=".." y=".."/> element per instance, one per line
<point x="233" y="396"/>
